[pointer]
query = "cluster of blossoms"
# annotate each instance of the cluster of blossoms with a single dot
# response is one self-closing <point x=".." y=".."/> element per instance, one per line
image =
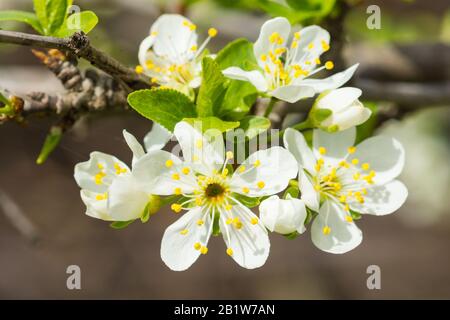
<point x="327" y="179"/>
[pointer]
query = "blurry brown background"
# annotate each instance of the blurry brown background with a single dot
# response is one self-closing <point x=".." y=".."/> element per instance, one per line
<point x="48" y="230"/>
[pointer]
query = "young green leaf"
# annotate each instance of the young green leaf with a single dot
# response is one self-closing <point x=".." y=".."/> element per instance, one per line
<point x="212" y="123"/>
<point x="212" y="90"/>
<point x="254" y="125"/>
<point x="120" y="224"/>
<point x="247" y="201"/>
<point x="164" y="106"/>
<point x="51" y="14"/>
<point x="81" y="21"/>
<point x="51" y="142"/>
<point x="22" y="16"/>
<point x="239" y="98"/>
<point x="238" y="53"/>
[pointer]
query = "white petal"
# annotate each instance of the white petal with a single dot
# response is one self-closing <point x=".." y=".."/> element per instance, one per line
<point x="85" y="172"/>
<point x="145" y="45"/>
<point x="250" y="243"/>
<point x="343" y="235"/>
<point x="126" y="201"/>
<point x="177" y="249"/>
<point x="310" y="35"/>
<point x="332" y="82"/>
<point x="385" y="155"/>
<point x="309" y="195"/>
<point x="155" y="176"/>
<point x="95" y="208"/>
<point x="382" y="200"/>
<point x="354" y="115"/>
<point x="335" y="144"/>
<point x="293" y="93"/>
<point x="295" y="142"/>
<point x="255" y="77"/>
<point x="173" y="39"/>
<point x="283" y="216"/>
<point x="157" y="138"/>
<point x="339" y="99"/>
<point x="134" y="145"/>
<point x="263" y="45"/>
<point x="204" y="152"/>
<point x="271" y="174"/>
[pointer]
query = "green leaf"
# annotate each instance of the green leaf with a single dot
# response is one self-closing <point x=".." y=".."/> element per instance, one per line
<point x="212" y="90"/>
<point x="292" y="235"/>
<point x="212" y="123"/>
<point x="51" y="142"/>
<point x="164" y="106"/>
<point x="81" y="21"/>
<point x="247" y="201"/>
<point x="239" y="98"/>
<point x="292" y="191"/>
<point x="238" y="53"/>
<point x="22" y="16"/>
<point x="254" y="125"/>
<point x="51" y="14"/>
<point x="120" y="224"/>
<point x="355" y="215"/>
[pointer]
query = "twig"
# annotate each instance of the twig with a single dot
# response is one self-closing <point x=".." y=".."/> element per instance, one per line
<point x="79" y="45"/>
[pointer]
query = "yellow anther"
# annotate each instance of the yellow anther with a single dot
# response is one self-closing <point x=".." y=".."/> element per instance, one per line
<point x="372" y="173"/>
<point x="177" y="191"/>
<point x="197" y="246"/>
<point x="355" y="161"/>
<point x="294" y="44"/>
<point x="195" y="158"/>
<point x="348" y="218"/>
<point x="169" y="163"/>
<point x="257" y="163"/>
<point x="274" y="37"/>
<point x="344" y="164"/>
<point x="203" y="250"/>
<point x="263" y="57"/>
<point x="154" y="80"/>
<point x="297" y="35"/>
<point x="184" y="232"/>
<point x="245" y="190"/>
<point x="325" y="45"/>
<point x="199" y="143"/>
<point x="317" y="187"/>
<point x="364" y="191"/>
<point x="198" y="201"/>
<point x="212" y="32"/>
<point x="318" y="167"/>
<point x="228" y="207"/>
<point x="261" y="184"/>
<point x="154" y="33"/>
<point x="194" y="48"/>
<point x="237" y="223"/>
<point x="365" y="166"/>
<point x="200" y="222"/>
<point x="229" y="221"/>
<point x="102" y="196"/>
<point x="347" y="207"/>
<point x="267" y="69"/>
<point x="242" y="169"/>
<point x="307" y="62"/>
<point x="350" y="193"/>
<point x="225" y="172"/>
<point x="149" y="64"/>
<point x="337" y="186"/>
<point x="172" y="68"/>
<point x="351" y="150"/>
<point x="254" y="220"/>
<point x="176" y="207"/>
<point x="329" y="65"/>
<point x="100" y="166"/>
<point x="317" y="61"/>
<point x="175" y="176"/>
<point x="326" y="230"/>
<point x="185" y="170"/>
<point x="193" y="27"/>
<point x="356" y="176"/>
<point x="343" y="198"/>
<point x="279" y="51"/>
<point x="230" y="155"/>
<point x="322" y="150"/>
<point x="320" y="161"/>
<point x="139" y="69"/>
<point x="230" y="252"/>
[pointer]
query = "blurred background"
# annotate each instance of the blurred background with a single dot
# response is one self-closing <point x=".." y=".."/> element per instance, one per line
<point x="405" y="71"/>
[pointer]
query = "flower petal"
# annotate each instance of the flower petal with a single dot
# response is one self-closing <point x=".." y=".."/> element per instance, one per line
<point x="283" y="216"/>
<point x="382" y="200"/>
<point x="204" y="152"/>
<point x="157" y="138"/>
<point x="263" y="44"/>
<point x="178" y="245"/>
<point x="155" y="171"/>
<point x="95" y="208"/>
<point x="249" y="244"/>
<point x="174" y="38"/>
<point x="354" y="115"/>
<point x="126" y="201"/>
<point x="265" y="172"/>
<point x="339" y="99"/>
<point x="331" y="232"/>
<point x="99" y="171"/>
<point x="295" y="142"/>
<point x="385" y="156"/>
<point x="134" y="145"/>
<point x="293" y="93"/>
<point x="255" y="77"/>
<point x="314" y="35"/>
<point x="145" y="45"/>
<point x="309" y="195"/>
<point x="332" y="82"/>
<point x="336" y="144"/>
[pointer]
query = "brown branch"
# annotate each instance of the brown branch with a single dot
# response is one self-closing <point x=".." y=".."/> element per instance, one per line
<point x="79" y="45"/>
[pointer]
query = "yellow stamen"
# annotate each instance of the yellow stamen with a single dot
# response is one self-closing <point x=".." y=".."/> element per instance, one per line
<point x="322" y="150"/>
<point x="197" y="246"/>
<point x="200" y="222"/>
<point x="329" y="65"/>
<point x="175" y="176"/>
<point x="177" y="191"/>
<point x="245" y="190"/>
<point x="212" y="32"/>
<point x="355" y="161"/>
<point x="348" y="218"/>
<point x="326" y="230"/>
<point x="139" y="69"/>
<point x="230" y="252"/>
<point x="184" y="232"/>
<point x="176" y="207"/>
<point x="203" y="250"/>
<point x="365" y="166"/>
<point x="254" y="220"/>
<point x="169" y="163"/>
<point x="257" y="163"/>
<point x="185" y="170"/>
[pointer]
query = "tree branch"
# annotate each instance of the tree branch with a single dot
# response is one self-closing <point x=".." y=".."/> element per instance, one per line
<point x="79" y="45"/>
